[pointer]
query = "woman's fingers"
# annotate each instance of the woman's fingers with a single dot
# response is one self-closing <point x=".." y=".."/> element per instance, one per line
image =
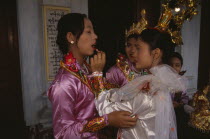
<point x="95" y="58"/>
<point x="98" y="61"/>
<point x="103" y="57"/>
<point x="126" y="113"/>
<point x="99" y="55"/>
<point x="121" y="119"/>
<point x="132" y="119"/>
<point x="129" y="120"/>
<point x="91" y="61"/>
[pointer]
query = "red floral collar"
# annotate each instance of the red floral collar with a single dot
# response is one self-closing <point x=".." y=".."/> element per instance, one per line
<point x="70" y="61"/>
<point x="70" y="64"/>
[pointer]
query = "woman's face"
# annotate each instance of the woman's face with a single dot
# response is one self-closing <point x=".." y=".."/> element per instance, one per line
<point x="87" y="41"/>
<point x="144" y="57"/>
<point x="176" y="64"/>
<point x="130" y="49"/>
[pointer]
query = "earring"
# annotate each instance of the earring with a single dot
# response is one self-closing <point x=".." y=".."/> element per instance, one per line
<point x="72" y="42"/>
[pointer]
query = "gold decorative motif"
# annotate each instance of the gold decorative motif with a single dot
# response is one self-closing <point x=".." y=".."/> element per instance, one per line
<point x="82" y="77"/>
<point x="123" y="65"/>
<point x="94" y="125"/>
<point x="179" y="11"/>
<point x="110" y="85"/>
<point x="165" y="18"/>
<point x="98" y="85"/>
<point x="200" y="118"/>
<point x="163" y="24"/>
<point x="138" y="27"/>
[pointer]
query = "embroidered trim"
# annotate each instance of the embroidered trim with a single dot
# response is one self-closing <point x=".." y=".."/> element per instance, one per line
<point x="98" y="85"/>
<point x="69" y="64"/>
<point x="95" y="125"/>
<point x="123" y="65"/>
<point x="83" y="78"/>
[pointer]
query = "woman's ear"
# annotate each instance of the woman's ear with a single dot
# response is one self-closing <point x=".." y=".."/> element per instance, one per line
<point x="157" y="53"/>
<point x="70" y="38"/>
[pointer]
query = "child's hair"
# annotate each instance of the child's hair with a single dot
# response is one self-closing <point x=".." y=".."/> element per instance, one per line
<point x="135" y="36"/>
<point x="158" y="39"/>
<point x="176" y="55"/>
<point x="74" y="23"/>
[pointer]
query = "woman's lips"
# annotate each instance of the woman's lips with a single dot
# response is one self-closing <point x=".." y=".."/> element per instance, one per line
<point x="94" y="46"/>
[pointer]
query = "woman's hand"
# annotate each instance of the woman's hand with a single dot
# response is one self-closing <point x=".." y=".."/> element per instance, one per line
<point x="97" y="62"/>
<point x="122" y="119"/>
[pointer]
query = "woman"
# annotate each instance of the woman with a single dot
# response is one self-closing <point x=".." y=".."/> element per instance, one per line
<point x="74" y="112"/>
<point x="147" y="97"/>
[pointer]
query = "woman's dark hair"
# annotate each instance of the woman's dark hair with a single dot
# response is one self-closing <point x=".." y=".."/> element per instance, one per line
<point x="176" y="55"/>
<point x="158" y="39"/>
<point x="74" y="23"/>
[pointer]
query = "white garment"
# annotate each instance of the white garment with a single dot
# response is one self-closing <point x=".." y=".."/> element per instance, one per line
<point x="156" y="117"/>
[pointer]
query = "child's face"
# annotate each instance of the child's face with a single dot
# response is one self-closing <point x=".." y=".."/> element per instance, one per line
<point x="176" y="64"/>
<point x="144" y="58"/>
<point x="130" y="49"/>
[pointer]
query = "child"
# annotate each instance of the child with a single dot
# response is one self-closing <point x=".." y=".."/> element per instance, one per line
<point x="147" y="97"/>
<point x="124" y="70"/>
<point x="176" y="62"/>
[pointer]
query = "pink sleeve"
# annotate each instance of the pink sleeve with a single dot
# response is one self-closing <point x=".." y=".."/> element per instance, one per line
<point x="115" y="76"/>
